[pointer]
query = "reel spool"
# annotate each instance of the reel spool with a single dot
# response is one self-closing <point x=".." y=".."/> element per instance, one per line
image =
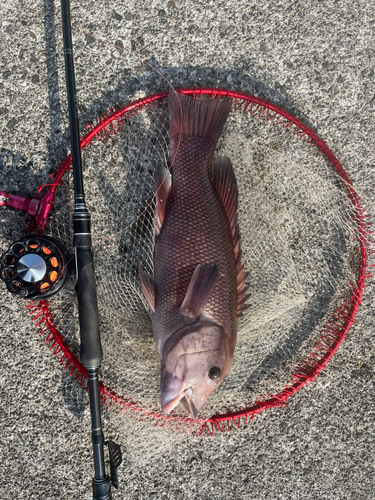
<point x="34" y="267"/>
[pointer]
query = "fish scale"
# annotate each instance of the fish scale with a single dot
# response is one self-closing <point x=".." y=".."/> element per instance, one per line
<point x="195" y="231"/>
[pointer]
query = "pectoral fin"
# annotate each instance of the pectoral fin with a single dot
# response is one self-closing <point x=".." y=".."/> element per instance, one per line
<point x="201" y="285"/>
<point x="148" y="287"/>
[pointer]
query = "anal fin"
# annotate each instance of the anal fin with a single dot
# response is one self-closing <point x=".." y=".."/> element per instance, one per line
<point x="201" y="285"/>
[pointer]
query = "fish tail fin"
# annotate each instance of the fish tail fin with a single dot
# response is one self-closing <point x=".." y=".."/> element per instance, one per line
<point x="197" y="117"/>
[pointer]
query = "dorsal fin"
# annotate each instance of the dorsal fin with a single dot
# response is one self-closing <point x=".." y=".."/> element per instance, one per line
<point x="163" y="182"/>
<point x="225" y="184"/>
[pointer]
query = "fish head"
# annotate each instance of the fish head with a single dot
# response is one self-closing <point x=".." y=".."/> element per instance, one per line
<point x="194" y="364"/>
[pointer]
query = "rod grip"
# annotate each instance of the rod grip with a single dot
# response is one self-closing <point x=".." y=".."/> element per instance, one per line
<point x="91" y="350"/>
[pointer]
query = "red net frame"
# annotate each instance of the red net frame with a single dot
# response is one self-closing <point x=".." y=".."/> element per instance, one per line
<point x="335" y="329"/>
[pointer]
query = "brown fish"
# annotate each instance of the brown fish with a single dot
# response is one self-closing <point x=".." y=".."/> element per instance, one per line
<point x="198" y="289"/>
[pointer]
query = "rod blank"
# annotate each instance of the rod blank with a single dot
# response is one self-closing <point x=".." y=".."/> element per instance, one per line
<point x="91" y="350"/>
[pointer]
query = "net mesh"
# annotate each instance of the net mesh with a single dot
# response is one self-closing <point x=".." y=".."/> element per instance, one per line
<point x="299" y="245"/>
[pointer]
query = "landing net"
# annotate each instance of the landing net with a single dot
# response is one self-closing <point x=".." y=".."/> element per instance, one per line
<point x="305" y="243"/>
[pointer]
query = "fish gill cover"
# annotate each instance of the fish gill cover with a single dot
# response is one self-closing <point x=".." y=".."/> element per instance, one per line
<point x="303" y="240"/>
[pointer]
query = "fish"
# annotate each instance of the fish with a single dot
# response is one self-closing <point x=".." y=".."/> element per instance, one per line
<point x="198" y="290"/>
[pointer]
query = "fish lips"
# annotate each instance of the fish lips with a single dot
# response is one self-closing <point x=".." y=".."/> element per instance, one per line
<point x="172" y="388"/>
<point x="173" y="391"/>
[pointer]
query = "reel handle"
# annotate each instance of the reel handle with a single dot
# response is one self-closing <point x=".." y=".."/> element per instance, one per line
<point x="91" y="349"/>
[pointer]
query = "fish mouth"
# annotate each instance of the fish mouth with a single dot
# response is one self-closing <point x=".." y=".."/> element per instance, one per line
<point x="186" y="398"/>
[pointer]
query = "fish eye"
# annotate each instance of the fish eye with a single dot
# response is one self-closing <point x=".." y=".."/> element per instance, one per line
<point x="214" y="373"/>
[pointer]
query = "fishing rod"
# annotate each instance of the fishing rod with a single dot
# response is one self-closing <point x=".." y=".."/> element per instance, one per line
<point x="91" y="350"/>
<point x="36" y="267"/>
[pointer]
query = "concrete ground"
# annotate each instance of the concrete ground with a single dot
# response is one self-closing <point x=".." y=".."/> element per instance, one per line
<point x="314" y="58"/>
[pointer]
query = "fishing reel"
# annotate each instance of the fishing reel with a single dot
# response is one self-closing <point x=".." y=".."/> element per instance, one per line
<point x="34" y="267"/>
